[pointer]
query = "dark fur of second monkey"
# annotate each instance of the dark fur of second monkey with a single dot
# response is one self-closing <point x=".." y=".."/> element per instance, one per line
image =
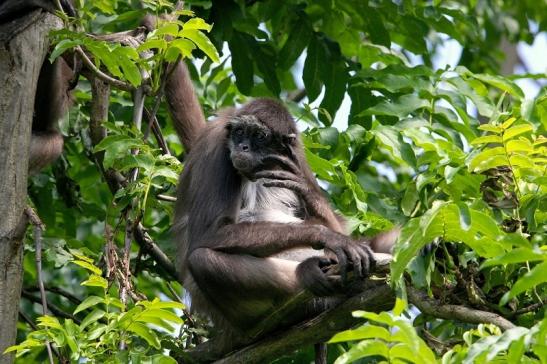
<point x="52" y="97"/>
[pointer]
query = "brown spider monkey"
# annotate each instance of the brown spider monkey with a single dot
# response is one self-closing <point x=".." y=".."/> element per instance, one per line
<point x="52" y="98"/>
<point x="252" y="225"/>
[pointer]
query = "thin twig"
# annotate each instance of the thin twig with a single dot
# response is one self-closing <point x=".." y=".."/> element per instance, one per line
<point x="434" y="308"/>
<point x="38" y="229"/>
<point x="28" y="320"/>
<point x="103" y="76"/>
<point x="166" y="198"/>
<point x="151" y="248"/>
<point x="156" y="130"/>
<point x="530" y="308"/>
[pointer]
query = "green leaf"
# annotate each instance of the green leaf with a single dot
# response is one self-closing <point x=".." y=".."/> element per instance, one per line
<point x="360" y="333"/>
<point x="202" y="42"/>
<point x="88" y="266"/>
<point x="485" y="156"/>
<point x="91" y="318"/>
<point x="502" y="83"/>
<point x="159" y="44"/>
<point x="516" y="130"/>
<point x="265" y="60"/>
<point x="116" y="146"/>
<point x="519" y="145"/>
<point x="483" y="104"/>
<point x="146" y="333"/>
<point x="533" y="278"/>
<point x="95" y="281"/>
<point x="362" y="350"/>
<point x="157" y="304"/>
<point x="158" y="313"/>
<point x="401" y="107"/>
<point x="27" y="344"/>
<point x="375" y="27"/>
<point x="299" y="38"/>
<point x="96" y="332"/>
<point x="182" y="47"/>
<point x="313" y="68"/>
<point x="88" y="302"/>
<point x="126" y="60"/>
<point x="63" y="46"/>
<point x="410" y="199"/>
<point x="242" y="64"/>
<point x="335" y="78"/>
<point x="487" y="139"/>
<point x="49" y="321"/>
<point x="322" y="167"/>
<point x="491" y="128"/>
<point x="517" y="255"/>
<point x="171" y="29"/>
<point x="465" y="216"/>
<point x="507" y="123"/>
<point x="197" y="23"/>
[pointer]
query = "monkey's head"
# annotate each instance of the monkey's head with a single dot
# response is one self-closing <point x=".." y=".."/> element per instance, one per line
<point x="254" y="133"/>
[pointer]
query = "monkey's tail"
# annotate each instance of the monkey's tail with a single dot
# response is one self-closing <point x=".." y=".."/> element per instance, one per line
<point x="184" y="105"/>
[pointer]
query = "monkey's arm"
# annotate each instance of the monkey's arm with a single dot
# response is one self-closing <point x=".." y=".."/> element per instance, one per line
<point x="264" y="239"/>
<point x="291" y="178"/>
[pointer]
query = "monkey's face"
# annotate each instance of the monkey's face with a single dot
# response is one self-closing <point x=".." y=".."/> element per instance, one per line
<point x="249" y="141"/>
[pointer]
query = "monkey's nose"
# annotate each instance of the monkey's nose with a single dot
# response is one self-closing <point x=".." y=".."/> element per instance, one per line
<point x="244" y="147"/>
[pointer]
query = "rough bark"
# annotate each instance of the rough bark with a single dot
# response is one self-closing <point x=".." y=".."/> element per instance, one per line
<point x="21" y="56"/>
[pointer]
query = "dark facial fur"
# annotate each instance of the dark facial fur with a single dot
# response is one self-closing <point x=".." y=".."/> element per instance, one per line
<point x="250" y="141"/>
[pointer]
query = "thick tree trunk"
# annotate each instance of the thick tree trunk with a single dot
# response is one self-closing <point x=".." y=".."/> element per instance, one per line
<point x="23" y="47"/>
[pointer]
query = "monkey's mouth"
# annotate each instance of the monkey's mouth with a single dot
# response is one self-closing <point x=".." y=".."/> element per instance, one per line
<point x="243" y="162"/>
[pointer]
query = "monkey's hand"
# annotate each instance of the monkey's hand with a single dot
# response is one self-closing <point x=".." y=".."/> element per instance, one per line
<point x="315" y="203"/>
<point x="350" y="255"/>
<point x="313" y="274"/>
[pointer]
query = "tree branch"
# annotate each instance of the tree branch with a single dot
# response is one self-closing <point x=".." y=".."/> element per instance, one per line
<point x="434" y="308"/>
<point x="100" y="74"/>
<point x="145" y="241"/>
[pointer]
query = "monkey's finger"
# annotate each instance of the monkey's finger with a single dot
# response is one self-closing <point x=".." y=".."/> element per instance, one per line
<point x="284" y="161"/>
<point x="279" y="175"/>
<point x="355" y="257"/>
<point x="367" y="259"/>
<point x="342" y="262"/>
<point x="290" y="185"/>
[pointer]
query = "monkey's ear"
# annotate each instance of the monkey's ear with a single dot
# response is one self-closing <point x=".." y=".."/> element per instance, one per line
<point x="289" y="139"/>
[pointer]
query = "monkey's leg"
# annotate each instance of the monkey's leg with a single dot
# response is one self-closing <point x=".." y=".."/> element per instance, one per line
<point x="244" y="288"/>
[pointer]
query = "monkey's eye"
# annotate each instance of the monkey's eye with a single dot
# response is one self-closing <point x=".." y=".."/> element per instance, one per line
<point x="238" y="131"/>
<point x="261" y="136"/>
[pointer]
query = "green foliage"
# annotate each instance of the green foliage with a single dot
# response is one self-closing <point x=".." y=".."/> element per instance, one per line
<point x="454" y="156"/>
<point x="487" y="344"/>
<point x="384" y="337"/>
<point x="108" y="325"/>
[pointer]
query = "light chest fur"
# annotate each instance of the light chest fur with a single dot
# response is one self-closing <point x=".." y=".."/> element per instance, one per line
<point x="259" y="203"/>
